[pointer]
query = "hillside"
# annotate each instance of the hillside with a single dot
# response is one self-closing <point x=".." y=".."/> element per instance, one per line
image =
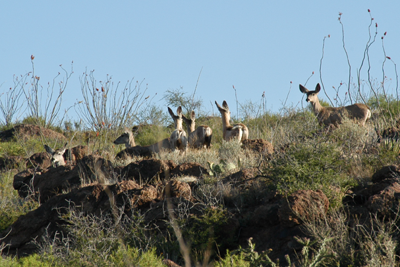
<point x="321" y="195"/>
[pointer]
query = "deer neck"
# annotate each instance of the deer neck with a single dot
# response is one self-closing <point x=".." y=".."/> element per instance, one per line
<point x="317" y="107"/>
<point x="131" y="141"/>
<point x="225" y="123"/>
<point x="178" y="124"/>
<point x="191" y="127"/>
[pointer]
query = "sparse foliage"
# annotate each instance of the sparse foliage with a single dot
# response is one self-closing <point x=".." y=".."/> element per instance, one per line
<point x="45" y="111"/>
<point x="106" y="104"/>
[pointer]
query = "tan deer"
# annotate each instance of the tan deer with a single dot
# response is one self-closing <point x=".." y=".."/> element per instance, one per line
<point x="199" y="137"/>
<point x="178" y="137"/>
<point x="334" y="115"/>
<point x="237" y="131"/>
<point x="128" y="139"/>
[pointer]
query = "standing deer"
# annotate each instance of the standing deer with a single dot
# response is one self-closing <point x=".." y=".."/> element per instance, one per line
<point x="128" y="139"/>
<point x="199" y="137"/>
<point x="178" y="137"/>
<point x="237" y="131"/>
<point x="334" y="115"/>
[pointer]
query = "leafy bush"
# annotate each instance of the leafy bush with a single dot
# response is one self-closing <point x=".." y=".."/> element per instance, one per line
<point x="308" y="165"/>
<point x="11" y="206"/>
<point x="206" y="234"/>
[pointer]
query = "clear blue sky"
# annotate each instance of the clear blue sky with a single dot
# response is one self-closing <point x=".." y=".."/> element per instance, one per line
<point x="256" y="46"/>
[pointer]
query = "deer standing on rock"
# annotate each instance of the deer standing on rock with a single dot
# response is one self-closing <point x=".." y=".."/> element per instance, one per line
<point x="334" y="115"/>
<point x="199" y="137"/>
<point x="237" y="131"/>
<point x="178" y="137"/>
<point x="128" y="139"/>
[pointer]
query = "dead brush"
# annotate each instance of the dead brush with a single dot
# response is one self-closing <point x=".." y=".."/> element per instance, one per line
<point x="352" y="241"/>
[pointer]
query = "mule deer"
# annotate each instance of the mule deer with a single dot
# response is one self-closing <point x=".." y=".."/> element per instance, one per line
<point x="57" y="156"/>
<point x="128" y="139"/>
<point x="334" y="115"/>
<point x="178" y="137"/>
<point x="199" y="137"/>
<point x="237" y="131"/>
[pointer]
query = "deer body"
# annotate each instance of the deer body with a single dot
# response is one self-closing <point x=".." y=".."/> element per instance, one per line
<point x="178" y="137"/>
<point x="128" y="139"/>
<point x="199" y="137"/>
<point x="237" y="131"/>
<point x="334" y="115"/>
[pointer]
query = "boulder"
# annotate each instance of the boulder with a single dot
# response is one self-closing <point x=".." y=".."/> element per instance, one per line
<point x="188" y="169"/>
<point x="302" y="205"/>
<point x="145" y="170"/>
<point x="259" y="145"/>
<point x="384" y="203"/>
<point x="391" y="171"/>
<point x="39" y="161"/>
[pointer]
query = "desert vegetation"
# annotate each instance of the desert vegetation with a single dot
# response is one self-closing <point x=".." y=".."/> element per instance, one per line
<point x="295" y="193"/>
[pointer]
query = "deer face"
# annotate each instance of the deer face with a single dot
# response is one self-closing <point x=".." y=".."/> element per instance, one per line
<point x="177" y="118"/>
<point x="312" y="96"/>
<point x="57" y="156"/>
<point x="122" y="139"/>
<point x="191" y="122"/>
<point x="224" y="110"/>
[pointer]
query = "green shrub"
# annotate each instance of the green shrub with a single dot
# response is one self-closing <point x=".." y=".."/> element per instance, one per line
<point x="233" y="260"/>
<point x="308" y="165"/>
<point x="11" y="205"/>
<point x="131" y="256"/>
<point x="10" y="211"/>
<point x="11" y="149"/>
<point x="388" y="106"/>
<point x="152" y="134"/>
<point x="206" y="233"/>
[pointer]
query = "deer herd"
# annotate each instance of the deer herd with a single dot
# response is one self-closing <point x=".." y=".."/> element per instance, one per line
<point x="200" y="137"/>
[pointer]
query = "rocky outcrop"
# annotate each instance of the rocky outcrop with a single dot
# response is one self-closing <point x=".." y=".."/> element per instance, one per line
<point x="93" y="199"/>
<point x="44" y="184"/>
<point x="26" y="131"/>
<point x="259" y="145"/>
<point x="302" y="204"/>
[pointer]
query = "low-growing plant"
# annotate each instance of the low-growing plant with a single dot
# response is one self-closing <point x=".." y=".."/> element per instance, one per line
<point x="11" y="205"/>
<point x="308" y="165"/>
<point x="205" y="233"/>
<point x="367" y="243"/>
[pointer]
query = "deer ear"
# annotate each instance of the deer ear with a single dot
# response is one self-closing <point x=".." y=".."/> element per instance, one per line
<point x="48" y="149"/>
<point x="225" y="105"/>
<point x="135" y="128"/>
<point x="318" y="88"/>
<point x="171" y="113"/>
<point x="303" y="89"/>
